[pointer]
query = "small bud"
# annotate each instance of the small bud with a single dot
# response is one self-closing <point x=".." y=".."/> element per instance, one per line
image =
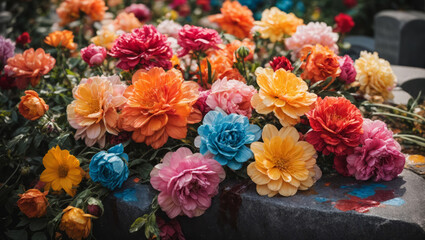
<point x="242" y="52"/>
<point x="95" y="207"/>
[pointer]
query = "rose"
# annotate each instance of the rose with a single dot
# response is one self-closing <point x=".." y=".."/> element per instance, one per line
<point x="281" y="62"/>
<point x="33" y="203"/>
<point x="32" y="107"/>
<point x="23" y="39"/>
<point x="344" y="23"/>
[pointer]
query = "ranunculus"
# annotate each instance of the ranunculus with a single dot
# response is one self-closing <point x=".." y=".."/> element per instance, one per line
<point x="169" y="28"/>
<point x="23" y="39"/>
<point x="7" y="49"/>
<point x="225" y="136"/>
<point x="33" y="203"/>
<point x="281" y="62"/>
<point x="32" y="107"/>
<point x="348" y="72"/>
<point x="319" y="63"/>
<point x="187" y="181"/>
<point x="143" y="46"/>
<point x="93" y="55"/>
<point x="344" y="23"/>
<point x="61" y="39"/>
<point x="140" y="11"/>
<point x="170" y="230"/>
<point x="197" y="39"/>
<point x="379" y="157"/>
<point x="75" y="223"/>
<point x="110" y="168"/>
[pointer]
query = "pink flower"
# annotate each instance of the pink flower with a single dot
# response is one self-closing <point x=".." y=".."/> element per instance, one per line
<point x="379" y="155"/>
<point x="186" y="182"/>
<point x="348" y="72"/>
<point x="144" y="46"/>
<point x="140" y="11"/>
<point x="197" y="39"/>
<point x="201" y="103"/>
<point x="170" y="230"/>
<point x="232" y="96"/>
<point x="93" y="55"/>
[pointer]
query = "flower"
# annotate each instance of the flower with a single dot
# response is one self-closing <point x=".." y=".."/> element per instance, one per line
<point x="232" y="96"/>
<point x="221" y="67"/>
<point x="23" y="39"/>
<point x="187" y="181"/>
<point x="61" y="39"/>
<point x="32" y="107"/>
<point x="197" y="39"/>
<point x="110" y="168"/>
<point x="336" y="126"/>
<point x="7" y="82"/>
<point x="105" y="39"/>
<point x="144" y="46"/>
<point x="311" y="34"/>
<point x="75" y="223"/>
<point x="283" y="93"/>
<point x="230" y="49"/>
<point x="340" y="165"/>
<point x="114" y="3"/>
<point x="140" y="11"/>
<point x="93" y="55"/>
<point x="159" y="106"/>
<point x="281" y="62"/>
<point x="94" y="110"/>
<point x="379" y="157"/>
<point x="95" y="207"/>
<point x="95" y="9"/>
<point x="33" y="203"/>
<point x="170" y="230"/>
<point x="225" y="136"/>
<point x="68" y="11"/>
<point x="126" y="22"/>
<point x="275" y="24"/>
<point x="201" y="103"/>
<point x="7" y="49"/>
<point x="319" y="63"/>
<point x="348" y="72"/>
<point x="62" y="171"/>
<point x="234" y="19"/>
<point x="344" y="23"/>
<point x="169" y="28"/>
<point x="282" y="164"/>
<point x="375" y="75"/>
<point x="350" y="3"/>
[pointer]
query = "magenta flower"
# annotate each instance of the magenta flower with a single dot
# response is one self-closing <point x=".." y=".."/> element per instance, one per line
<point x="170" y="230"/>
<point x="197" y="39"/>
<point x="93" y="55"/>
<point x="186" y="182"/>
<point x="201" y="103"/>
<point x="144" y="46"/>
<point x="379" y="155"/>
<point x="348" y="72"/>
<point x="140" y="11"/>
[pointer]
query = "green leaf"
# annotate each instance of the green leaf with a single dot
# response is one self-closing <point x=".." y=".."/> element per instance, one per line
<point x="38" y="224"/>
<point x="350" y="97"/>
<point x="17" y="234"/>
<point x="37" y="140"/>
<point x="138" y="224"/>
<point x="39" y="236"/>
<point x="24" y="221"/>
<point x="209" y="72"/>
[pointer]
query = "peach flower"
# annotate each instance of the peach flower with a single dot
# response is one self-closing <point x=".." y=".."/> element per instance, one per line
<point x="60" y="39"/>
<point x="95" y="9"/>
<point x="32" y="107"/>
<point x="94" y="110"/>
<point x="320" y="63"/>
<point x="126" y="22"/>
<point x="68" y="11"/>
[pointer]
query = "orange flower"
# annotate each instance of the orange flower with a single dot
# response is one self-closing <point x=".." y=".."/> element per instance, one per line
<point x="29" y="66"/>
<point x="63" y="39"/>
<point x="221" y="66"/>
<point x="95" y="9"/>
<point x="320" y="63"/>
<point x="68" y="11"/>
<point x="32" y="107"/>
<point x="234" y="19"/>
<point x="229" y="49"/>
<point x="76" y="223"/>
<point x="126" y="22"/>
<point x="159" y="106"/>
<point x="33" y="203"/>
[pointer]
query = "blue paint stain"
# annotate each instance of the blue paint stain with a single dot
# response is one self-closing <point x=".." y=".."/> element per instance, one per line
<point x="321" y="199"/>
<point x="364" y="191"/>
<point x="128" y="195"/>
<point x="394" y="202"/>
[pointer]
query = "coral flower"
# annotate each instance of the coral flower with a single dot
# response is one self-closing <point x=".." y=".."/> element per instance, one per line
<point x="61" y="39"/>
<point x="320" y="63"/>
<point x="94" y="110"/>
<point x="32" y="107"/>
<point x="283" y="93"/>
<point x="29" y="66"/>
<point x="95" y="9"/>
<point x="234" y="19"/>
<point x="126" y="22"/>
<point x="104" y="38"/>
<point x="68" y="11"/>
<point x="197" y="39"/>
<point x="336" y="126"/>
<point x="275" y="24"/>
<point x="282" y="164"/>
<point x="75" y="223"/>
<point x="62" y="171"/>
<point x="33" y="203"/>
<point x="159" y="106"/>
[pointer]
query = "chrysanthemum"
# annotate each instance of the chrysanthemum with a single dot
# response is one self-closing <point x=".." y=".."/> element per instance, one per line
<point x="282" y="164"/>
<point x="283" y="93"/>
<point x="62" y="171"/>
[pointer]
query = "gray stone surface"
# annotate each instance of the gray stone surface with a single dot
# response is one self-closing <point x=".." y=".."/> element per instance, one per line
<point x="307" y="215"/>
<point x="358" y="44"/>
<point x="410" y="80"/>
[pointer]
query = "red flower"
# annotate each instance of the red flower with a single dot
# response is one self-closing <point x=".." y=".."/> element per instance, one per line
<point x="197" y="39"/>
<point x="281" y="62"/>
<point x="344" y="23"/>
<point x="340" y="165"/>
<point x="336" y="126"/>
<point x="350" y="3"/>
<point x="205" y="4"/>
<point x="23" y="39"/>
<point x="7" y="82"/>
<point x="170" y="230"/>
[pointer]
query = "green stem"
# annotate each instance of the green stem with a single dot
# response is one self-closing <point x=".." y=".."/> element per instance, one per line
<point x="410" y="136"/>
<point x="394" y="108"/>
<point x="397" y="116"/>
<point x="198" y="56"/>
<point x="411" y="140"/>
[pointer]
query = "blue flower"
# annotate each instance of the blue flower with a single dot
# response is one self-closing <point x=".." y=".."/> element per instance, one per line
<point x="225" y="137"/>
<point x="251" y="4"/>
<point x="285" y="5"/>
<point x="110" y="168"/>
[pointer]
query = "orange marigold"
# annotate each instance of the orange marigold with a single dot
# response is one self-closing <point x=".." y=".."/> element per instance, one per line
<point x="76" y="223"/>
<point x="126" y="22"/>
<point x="159" y="106"/>
<point x="32" y="107"/>
<point x="319" y="63"/>
<point x="61" y="39"/>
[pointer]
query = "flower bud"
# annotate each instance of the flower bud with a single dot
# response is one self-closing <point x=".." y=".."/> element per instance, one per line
<point x="242" y="52"/>
<point x="95" y="207"/>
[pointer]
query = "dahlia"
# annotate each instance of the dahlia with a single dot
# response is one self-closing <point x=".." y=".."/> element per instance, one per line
<point x="68" y="11"/>
<point x="281" y="62"/>
<point x="197" y="39"/>
<point x="95" y="9"/>
<point x="319" y="63"/>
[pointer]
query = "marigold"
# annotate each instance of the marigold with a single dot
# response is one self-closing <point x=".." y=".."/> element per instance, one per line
<point x="234" y="19"/>
<point x="375" y="75"/>
<point x="319" y="63"/>
<point x="104" y="38"/>
<point x="32" y="107"/>
<point x="62" y="171"/>
<point x="282" y="164"/>
<point x="75" y="223"/>
<point x="61" y="39"/>
<point x="94" y="110"/>
<point x="126" y="22"/>
<point x="33" y="203"/>
<point x="283" y="93"/>
<point x="159" y="106"/>
<point x="275" y="24"/>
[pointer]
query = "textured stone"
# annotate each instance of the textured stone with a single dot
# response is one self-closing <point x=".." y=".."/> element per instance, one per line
<point x="358" y="44"/>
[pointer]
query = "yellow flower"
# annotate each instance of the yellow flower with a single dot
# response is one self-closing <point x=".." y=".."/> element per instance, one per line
<point x="275" y="24"/>
<point x="105" y="38"/>
<point x="282" y="163"/>
<point x="62" y="171"/>
<point x="375" y="75"/>
<point x="283" y="93"/>
<point x="75" y="223"/>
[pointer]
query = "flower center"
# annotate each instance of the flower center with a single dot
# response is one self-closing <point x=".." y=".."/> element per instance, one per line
<point x="63" y="171"/>
<point x="280" y="162"/>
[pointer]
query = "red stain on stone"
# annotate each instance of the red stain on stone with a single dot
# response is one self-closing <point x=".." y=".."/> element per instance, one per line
<point x="355" y="203"/>
<point x="382" y="195"/>
<point x="136" y="180"/>
<point x="327" y="184"/>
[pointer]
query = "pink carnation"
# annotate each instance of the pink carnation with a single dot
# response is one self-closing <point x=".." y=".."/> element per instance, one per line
<point x="232" y="96"/>
<point x="144" y="46"/>
<point x="186" y="182"/>
<point x="93" y="55"/>
<point x="348" y="72"/>
<point x="312" y="34"/>
<point x="201" y="103"/>
<point x="140" y="11"/>
<point x="379" y="155"/>
<point x="197" y="39"/>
